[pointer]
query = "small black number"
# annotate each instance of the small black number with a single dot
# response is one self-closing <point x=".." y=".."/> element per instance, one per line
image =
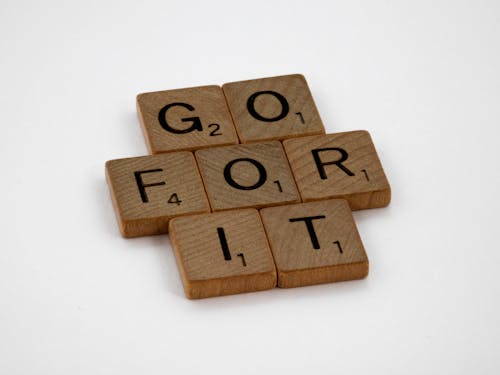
<point x="301" y="117"/>
<point x="174" y="199"/>
<point x="340" y="247"/>
<point x="214" y="132"/>
<point x="366" y="174"/>
<point x="277" y="182"/>
<point x="242" y="259"/>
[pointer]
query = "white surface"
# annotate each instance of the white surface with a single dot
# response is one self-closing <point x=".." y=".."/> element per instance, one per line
<point x="423" y="77"/>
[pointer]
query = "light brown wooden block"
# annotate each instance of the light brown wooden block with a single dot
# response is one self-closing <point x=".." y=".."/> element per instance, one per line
<point x="256" y="175"/>
<point x="148" y="191"/>
<point x="185" y="119"/>
<point x="273" y="108"/>
<point x="314" y="243"/>
<point x="222" y="253"/>
<point x="341" y="165"/>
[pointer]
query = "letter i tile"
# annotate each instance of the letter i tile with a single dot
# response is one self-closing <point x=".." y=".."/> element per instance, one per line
<point x="222" y="253"/>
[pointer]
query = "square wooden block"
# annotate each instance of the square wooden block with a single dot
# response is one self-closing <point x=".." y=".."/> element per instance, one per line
<point x="222" y="253"/>
<point x="341" y="165"/>
<point x="185" y="119"/>
<point x="273" y="108"/>
<point x="148" y="191"/>
<point x="315" y="243"/>
<point x="255" y="175"/>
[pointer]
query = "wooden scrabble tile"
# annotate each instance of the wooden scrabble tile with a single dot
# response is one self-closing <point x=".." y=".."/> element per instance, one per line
<point x="341" y="165"/>
<point x="273" y="108"/>
<point x="148" y="191"/>
<point x="222" y="253"/>
<point x="255" y="175"/>
<point x="185" y="119"/>
<point x="314" y="243"/>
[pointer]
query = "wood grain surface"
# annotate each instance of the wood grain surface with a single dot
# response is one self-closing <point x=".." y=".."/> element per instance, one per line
<point x="273" y="108"/>
<point x="185" y="119"/>
<point x="314" y="243"/>
<point x="222" y="253"/>
<point x="176" y="190"/>
<point x="254" y="175"/>
<point x="340" y="165"/>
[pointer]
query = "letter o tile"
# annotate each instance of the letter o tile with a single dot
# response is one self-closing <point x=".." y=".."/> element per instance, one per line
<point x="243" y="176"/>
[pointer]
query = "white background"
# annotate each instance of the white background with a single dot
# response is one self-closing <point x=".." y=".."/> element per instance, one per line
<point x="422" y="76"/>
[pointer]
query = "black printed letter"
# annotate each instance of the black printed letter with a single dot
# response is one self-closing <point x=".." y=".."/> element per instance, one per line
<point x="196" y="122"/>
<point x="310" y="228"/>
<point x="260" y="168"/>
<point x="142" y="186"/>
<point x="251" y="106"/>
<point x="321" y="165"/>
<point x="223" y="243"/>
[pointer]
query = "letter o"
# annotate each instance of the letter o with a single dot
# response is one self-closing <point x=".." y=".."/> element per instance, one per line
<point x="234" y="184"/>
<point x="285" y="108"/>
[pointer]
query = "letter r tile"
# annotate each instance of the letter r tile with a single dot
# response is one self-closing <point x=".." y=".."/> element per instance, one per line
<point x="185" y="119"/>
<point x="314" y="243"/>
<point x="341" y="165"/>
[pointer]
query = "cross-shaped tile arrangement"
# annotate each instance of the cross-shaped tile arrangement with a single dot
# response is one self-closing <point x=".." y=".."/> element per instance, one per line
<point x="251" y="190"/>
